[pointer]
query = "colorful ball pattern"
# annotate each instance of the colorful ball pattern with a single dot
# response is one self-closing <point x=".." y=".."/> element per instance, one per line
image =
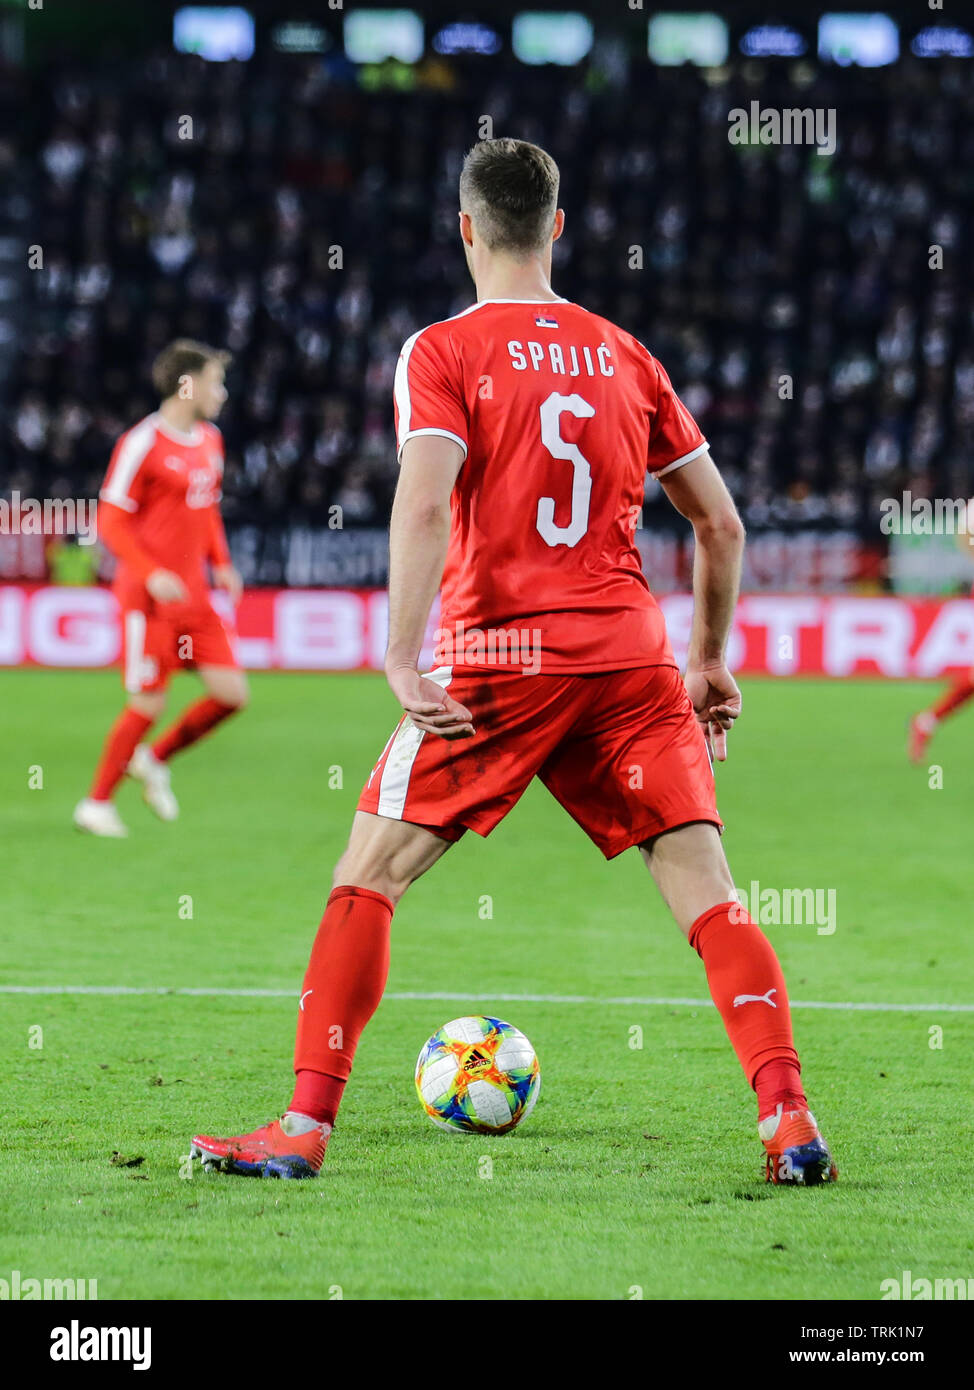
<point x="479" y="1075"/>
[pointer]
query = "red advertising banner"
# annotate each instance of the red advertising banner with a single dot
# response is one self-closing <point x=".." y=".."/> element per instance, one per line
<point x="345" y="630"/>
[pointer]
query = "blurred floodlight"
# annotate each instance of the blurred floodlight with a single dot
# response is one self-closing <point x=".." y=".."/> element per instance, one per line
<point x="564" y="38"/>
<point x="372" y="36"/>
<point x="300" y="36"/>
<point x="700" y="39"/>
<point x="467" y="38"/>
<point x="773" y="41"/>
<point x="218" y="33"/>
<point x="945" y="42"/>
<point x="860" y="40"/>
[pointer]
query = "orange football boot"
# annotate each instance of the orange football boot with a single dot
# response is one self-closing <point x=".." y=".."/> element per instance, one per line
<point x="796" y="1152"/>
<point x="267" y="1152"/>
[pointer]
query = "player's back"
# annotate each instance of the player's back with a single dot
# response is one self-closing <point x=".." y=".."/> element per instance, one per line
<point x="562" y="414"/>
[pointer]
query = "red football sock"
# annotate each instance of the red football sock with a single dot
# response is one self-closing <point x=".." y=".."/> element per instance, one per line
<point x="342" y="989"/>
<point x="317" y="1095"/>
<point x="748" y="988"/>
<point x="123" y="737"/>
<point x="958" y="694"/>
<point x="191" y="725"/>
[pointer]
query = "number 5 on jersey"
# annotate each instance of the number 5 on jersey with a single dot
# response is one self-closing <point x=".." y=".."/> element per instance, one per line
<point x="551" y="412"/>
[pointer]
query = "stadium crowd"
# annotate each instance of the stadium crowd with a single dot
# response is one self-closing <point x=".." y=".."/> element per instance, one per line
<point x="303" y="214"/>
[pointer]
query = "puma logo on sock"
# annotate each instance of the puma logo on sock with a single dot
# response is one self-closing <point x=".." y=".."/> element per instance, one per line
<point x="756" y="999"/>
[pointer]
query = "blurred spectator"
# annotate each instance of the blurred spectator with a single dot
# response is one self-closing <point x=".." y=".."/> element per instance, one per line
<point x="309" y="224"/>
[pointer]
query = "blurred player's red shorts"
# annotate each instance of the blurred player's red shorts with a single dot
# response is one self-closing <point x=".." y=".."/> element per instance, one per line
<point x="170" y="637"/>
<point x="620" y="750"/>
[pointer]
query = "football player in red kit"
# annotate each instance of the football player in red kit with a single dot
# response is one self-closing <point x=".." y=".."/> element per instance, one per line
<point x="923" y="725"/>
<point x="159" y="514"/>
<point x="526" y="426"/>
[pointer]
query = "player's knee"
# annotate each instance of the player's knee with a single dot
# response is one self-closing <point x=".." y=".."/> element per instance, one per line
<point x="239" y="697"/>
<point x="357" y="871"/>
<point x="231" y="691"/>
<point x="390" y="888"/>
<point x="151" y="705"/>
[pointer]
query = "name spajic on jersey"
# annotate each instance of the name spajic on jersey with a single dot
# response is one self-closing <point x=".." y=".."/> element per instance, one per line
<point x="534" y="354"/>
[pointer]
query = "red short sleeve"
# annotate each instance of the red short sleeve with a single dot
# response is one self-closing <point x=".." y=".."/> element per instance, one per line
<point x="428" y="392"/>
<point x="675" y="437"/>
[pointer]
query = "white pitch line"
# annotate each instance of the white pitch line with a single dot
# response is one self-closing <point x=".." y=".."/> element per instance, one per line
<point x="447" y="996"/>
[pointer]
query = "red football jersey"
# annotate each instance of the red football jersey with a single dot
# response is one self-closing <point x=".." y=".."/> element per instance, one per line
<point x="169" y="483"/>
<point x="560" y="415"/>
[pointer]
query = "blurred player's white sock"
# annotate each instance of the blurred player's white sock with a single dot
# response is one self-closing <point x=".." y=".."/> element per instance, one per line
<point x="295" y="1124"/>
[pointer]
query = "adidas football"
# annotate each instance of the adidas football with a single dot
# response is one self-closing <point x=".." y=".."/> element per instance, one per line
<point x="479" y="1075"/>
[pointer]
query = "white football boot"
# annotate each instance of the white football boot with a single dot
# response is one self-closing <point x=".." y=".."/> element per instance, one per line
<point x="157" y="794"/>
<point x="99" y="818"/>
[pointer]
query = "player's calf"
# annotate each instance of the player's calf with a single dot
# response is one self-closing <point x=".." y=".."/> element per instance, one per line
<point x="226" y="684"/>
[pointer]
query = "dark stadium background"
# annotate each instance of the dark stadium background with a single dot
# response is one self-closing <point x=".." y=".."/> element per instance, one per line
<point x="148" y="986"/>
<point x="758" y="262"/>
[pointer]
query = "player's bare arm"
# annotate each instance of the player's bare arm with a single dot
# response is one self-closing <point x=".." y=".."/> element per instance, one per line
<point x="698" y="492"/>
<point x="228" y="578"/>
<point x="418" y="537"/>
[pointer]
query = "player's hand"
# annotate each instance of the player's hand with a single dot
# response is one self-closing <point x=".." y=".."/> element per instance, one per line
<point x="166" y="587"/>
<point x="429" y="706"/>
<point x="716" y="702"/>
<point x="227" y="578"/>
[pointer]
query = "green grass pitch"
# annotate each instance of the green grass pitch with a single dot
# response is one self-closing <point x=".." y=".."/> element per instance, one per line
<point x="640" y="1169"/>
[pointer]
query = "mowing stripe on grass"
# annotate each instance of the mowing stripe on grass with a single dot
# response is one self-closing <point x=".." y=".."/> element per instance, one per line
<point x="207" y="991"/>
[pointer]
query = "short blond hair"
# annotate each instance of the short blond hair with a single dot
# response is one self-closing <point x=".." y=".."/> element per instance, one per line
<point x="182" y="358"/>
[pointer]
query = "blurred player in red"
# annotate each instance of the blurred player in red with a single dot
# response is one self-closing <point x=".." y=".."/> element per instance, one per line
<point x="526" y="428"/>
<point x="961" y="689"/>
<point x="159" y="515"/>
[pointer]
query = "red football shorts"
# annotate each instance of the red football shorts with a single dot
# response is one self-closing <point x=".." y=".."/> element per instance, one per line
<point x="168" y="638"/>
<point x="620" y="750"/>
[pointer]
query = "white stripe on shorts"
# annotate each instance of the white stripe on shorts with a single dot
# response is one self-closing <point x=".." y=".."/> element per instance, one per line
<point x="394" y="782"/>
<point x="134" y="650"/>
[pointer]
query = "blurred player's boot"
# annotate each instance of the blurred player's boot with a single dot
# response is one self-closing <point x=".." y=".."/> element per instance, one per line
<point x="921" y="732"/>
<point x="923" y="725"/>
<point x="796" y="1152"/>
<point x="269" y="1152"/>
<point x="157" y="794"/>
<point x="99" y="818"/>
